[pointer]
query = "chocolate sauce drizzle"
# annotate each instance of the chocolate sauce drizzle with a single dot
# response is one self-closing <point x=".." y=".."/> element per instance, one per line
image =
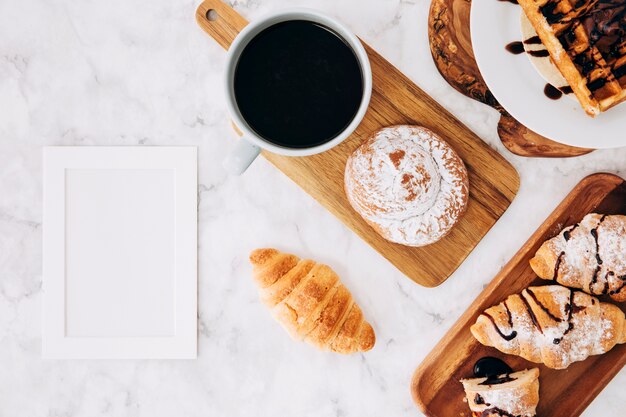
<point x="604" y="21"/>
<point x="552" y="92"/>
<point x="539" y="53"/>
<point x="557" y="266"/>
<point x="515" y="47"/>
<point x="569" y="309"/>
<point x="507" y="337"/>
<point x="599" y="263"/>
<point x="605" y="24"/>
<point x="508" y="313"/>
<point x="531" y="313"/>
<point x="535" y="40"/>
<point x="556" y="93"/>
<point x="497" y="380"/>
<point x="618" y="290"/>
<point x="544" y="308"/>
<point x="621" y="287"/>
<point x="495" y="410"/>
<point x="594" y="279"/>
<point x="568" y="233"/>
<point x="594" y="233"/>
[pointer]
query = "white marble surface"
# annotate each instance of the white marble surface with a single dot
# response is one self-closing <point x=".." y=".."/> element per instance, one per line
<point x="126" y="73"/>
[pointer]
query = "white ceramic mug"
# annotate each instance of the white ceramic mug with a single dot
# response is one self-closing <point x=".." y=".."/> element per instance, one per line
<point x="251" y="144"/>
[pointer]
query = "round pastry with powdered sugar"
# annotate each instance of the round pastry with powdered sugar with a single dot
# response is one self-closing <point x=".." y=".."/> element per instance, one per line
<point x="408" y="184"/>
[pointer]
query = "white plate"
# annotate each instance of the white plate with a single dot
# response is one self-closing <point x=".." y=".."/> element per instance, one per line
<point x="519" y="88"/>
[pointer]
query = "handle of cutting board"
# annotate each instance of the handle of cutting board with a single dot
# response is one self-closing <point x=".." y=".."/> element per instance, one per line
<point x="220" y="21"/>
<point x="223" y="23"/>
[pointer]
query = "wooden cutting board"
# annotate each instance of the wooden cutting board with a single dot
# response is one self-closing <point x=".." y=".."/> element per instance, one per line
<point x="395" y="100"/>
<point x="435" y="386"/>
<point x="451" y="47"/>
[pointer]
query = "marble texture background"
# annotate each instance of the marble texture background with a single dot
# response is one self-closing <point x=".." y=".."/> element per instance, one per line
<point x="126" y="73"/>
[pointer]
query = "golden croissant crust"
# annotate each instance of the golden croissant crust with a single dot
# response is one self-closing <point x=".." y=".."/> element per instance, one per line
<point x="310" y="302"/>
<point x="590" y="256"/>
<point x="553" y="325"/>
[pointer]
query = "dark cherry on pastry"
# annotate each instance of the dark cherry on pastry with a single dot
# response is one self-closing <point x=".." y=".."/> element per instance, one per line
<point x="491" y="368"/>
<point x="408" y="184"/>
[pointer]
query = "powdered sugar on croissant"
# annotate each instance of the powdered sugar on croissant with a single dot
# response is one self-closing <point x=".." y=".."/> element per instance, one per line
<point x="515" y="394"/>
<point x="590" y="255"/>
<point x="551" y="324"/>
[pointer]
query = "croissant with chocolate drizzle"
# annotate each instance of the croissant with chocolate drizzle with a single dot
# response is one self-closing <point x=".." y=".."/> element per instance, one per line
<point x="553" y="325"/>
<point x="590" y="256"/>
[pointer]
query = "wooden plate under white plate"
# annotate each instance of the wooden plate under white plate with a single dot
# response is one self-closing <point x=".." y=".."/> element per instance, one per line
<point x="518" y="87"/>
<point x="435" y="386"/>
<point x="451" y="48"/>
<point x="395" y="100"/>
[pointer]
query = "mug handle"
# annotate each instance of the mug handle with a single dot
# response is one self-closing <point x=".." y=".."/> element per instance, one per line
<point x="241" y="157"/>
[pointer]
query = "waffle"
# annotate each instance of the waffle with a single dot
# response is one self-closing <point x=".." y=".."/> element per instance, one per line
<point x="586" y="40"/>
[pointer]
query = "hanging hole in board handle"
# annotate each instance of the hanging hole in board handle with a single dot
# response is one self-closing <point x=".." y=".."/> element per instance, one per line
<point x="211" y="15"/>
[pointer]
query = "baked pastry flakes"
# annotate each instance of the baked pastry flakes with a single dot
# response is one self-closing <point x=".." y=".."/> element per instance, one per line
<point x="590" y="255"/>
<point x="515" y="394"/>
<point x="310" y="302"/>
<point x="408" y="184"/>
<point x="553" y="325"/>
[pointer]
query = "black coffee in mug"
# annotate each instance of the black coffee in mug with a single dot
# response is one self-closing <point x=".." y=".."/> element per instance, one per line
<point x="298" y="84"/>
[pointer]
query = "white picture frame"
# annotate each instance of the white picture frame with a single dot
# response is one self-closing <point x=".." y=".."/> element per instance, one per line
<point x="119" y="252"/>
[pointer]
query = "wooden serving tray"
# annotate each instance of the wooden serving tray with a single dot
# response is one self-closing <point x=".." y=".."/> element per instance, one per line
<point x="395" y="100"/>
<point x="435" y="386"/>
<point x="451" y="47"/>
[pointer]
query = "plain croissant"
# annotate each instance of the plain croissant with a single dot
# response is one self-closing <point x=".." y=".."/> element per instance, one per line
<point x="310" y="302"/>
<point x="551" y="324"/>
<point x="590" y="255"/>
